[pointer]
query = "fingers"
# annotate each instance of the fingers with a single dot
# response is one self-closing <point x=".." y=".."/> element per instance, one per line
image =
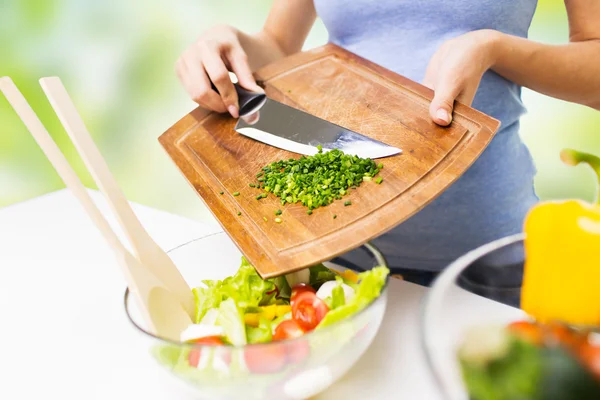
<point x="239" y="64"/>
<point x="442" y="104"/>
<point x="219" y="76"/>
<point x="192" y="75"/>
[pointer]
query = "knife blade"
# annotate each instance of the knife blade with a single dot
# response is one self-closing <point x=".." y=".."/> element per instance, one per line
<point x="288" y="128"/>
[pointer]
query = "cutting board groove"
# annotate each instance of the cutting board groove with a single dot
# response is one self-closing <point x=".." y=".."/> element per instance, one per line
<point x="350" y="91"/>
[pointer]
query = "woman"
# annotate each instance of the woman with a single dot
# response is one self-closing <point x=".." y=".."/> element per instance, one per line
<point x="474" y="52"/>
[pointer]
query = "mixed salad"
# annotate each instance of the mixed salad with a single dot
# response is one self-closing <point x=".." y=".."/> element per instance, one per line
<point x="556" y="354"/>
<point x="528" y="360"/>
<point x="244" y="309"/>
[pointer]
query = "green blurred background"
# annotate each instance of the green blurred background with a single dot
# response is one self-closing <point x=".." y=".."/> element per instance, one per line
<point x="116" y="59"/>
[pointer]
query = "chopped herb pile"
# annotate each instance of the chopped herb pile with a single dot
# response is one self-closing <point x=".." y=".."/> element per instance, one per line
<point x="316" y="181"/>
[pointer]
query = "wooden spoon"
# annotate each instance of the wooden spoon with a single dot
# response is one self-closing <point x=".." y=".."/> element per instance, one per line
<point x="145" y="249"/>
<point x="160" y="308"/>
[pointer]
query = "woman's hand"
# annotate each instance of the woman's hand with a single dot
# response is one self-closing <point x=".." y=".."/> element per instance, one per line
<point x="455" y="71"/>
<point x="209" y="59"/>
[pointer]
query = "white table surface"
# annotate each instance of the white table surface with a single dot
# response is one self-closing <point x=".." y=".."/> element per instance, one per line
<point x="64" y="333"/>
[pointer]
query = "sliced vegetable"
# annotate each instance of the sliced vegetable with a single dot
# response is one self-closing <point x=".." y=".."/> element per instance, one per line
<point x="317" y="181"/>
<point x="369" y="288"/>
<point x="230" y="318"/>
<point x="338" y="296"/>
<point x="279" y="320"/>
<point x="246" y="288"/>
<point x="265" y="359"/>
<point x="300" y="288"/>
<point x="343" y="292"/>
<point x="288" y="329"/>
<point x="589" y="354"/>
<point x="268" y="312"/>
<point x="297" y="351"/>
<point x="527" y="330"/>
<point x="199" y="331"/>
<point x="319" y="274"/>
<point x="194" y="355"/>
<point x="308" y="310"/>
<point x="262" y="333"/>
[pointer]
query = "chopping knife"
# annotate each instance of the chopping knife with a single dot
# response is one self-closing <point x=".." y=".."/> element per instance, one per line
<point x="288" y="128"/>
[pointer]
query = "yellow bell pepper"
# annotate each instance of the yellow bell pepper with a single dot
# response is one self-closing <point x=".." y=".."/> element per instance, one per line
<point x="561" y="280"/>
<point x="348" y="274"/>
<point x="268" y="312"/>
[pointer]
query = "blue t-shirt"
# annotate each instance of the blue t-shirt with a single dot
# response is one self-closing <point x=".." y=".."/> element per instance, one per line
<point x="493" y="196"/>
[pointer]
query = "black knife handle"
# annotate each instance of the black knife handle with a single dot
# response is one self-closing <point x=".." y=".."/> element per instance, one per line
<point x="249" y="101"/>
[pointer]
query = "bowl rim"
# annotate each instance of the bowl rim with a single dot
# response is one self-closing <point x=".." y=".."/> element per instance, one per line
<point x="430" y="301"/>
<point x="374" y="251"/>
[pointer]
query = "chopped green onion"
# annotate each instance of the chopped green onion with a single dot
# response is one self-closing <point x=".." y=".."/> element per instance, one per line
<point x="278" y="212"/>
<point x="239" y="213"/>
<point x="378" y="180"/>
<point x="236" y="193"/>
<point x="348" y="203"/>
<point x="221" y="192"/>
<point x="265" y="218"/>
<point x="309" y="212"/>
<point x="252" y="185"/>
<point x="380" y="166"/>
<point x="278" y="220"/>
<point x="318" y="180"/>
<point x="334" y="216"/>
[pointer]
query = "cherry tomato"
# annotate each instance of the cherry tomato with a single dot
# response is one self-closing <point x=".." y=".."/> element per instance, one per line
<point x="265" y="359"/>
<point x="528" y="331"/>
<point x="308" y="310"/>
<point x="560" y="334"/>
<point x="194" y="355"/>
<point x="297" y="351"/>
<point x="590" y="356"/>
<point x="287" y="329"/>
<point x="298" y="289"/>
<point x="208" y="341"/>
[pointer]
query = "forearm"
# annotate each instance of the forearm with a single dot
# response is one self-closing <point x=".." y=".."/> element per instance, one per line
<point x="285" y="30"/>
<point x="569" y="72"/>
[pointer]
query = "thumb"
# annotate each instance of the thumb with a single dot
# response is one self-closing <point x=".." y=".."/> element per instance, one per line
<point x="442" y="105"/>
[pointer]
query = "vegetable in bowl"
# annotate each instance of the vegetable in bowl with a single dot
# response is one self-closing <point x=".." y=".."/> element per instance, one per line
<point x="245" y="309"/>
<point x="288" y="337"/>
<point x="555" y="354"/>
<point x="531" y="361"/>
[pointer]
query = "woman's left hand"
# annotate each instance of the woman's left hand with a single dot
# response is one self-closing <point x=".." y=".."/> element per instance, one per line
<point x="455" y="71"/>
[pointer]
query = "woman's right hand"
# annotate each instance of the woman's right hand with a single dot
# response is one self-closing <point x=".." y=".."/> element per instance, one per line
<point x="209" y="59"/>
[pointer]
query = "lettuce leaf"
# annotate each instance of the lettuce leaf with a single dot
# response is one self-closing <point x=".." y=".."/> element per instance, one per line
<point x="232" y="321"/>
<point x="338" y="298"/>
<point x="368" y="289"/>
<point x="246" y="288"/>
<point x="319" y="274"/>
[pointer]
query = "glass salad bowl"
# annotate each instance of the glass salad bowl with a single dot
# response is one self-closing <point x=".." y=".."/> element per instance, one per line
<point x="483" y="334"/>
<point x="288" y="369"/>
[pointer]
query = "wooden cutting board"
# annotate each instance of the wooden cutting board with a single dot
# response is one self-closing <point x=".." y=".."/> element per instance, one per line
<point x="350" y="91"/>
